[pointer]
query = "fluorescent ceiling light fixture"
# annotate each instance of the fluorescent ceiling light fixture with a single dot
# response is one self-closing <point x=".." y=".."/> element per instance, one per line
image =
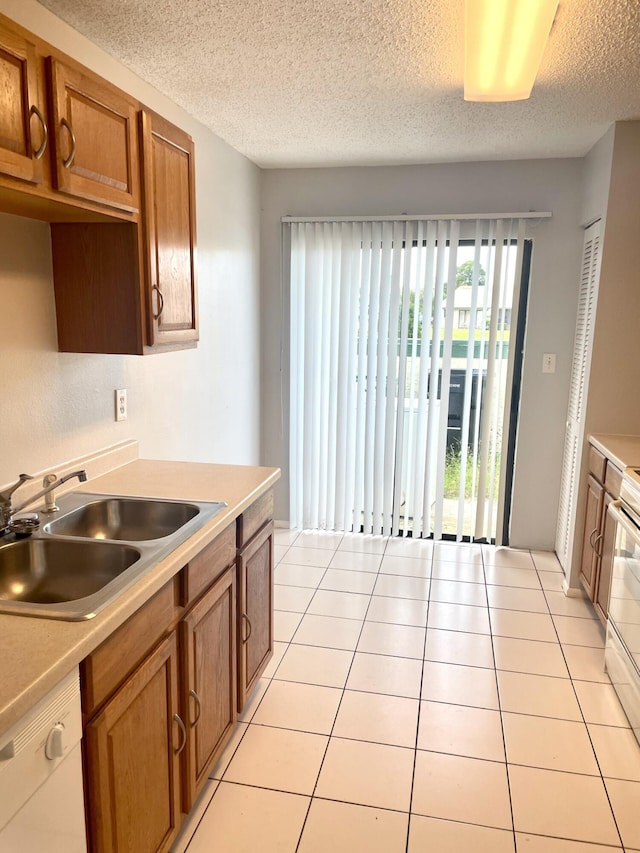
<point x="504" y="43"/>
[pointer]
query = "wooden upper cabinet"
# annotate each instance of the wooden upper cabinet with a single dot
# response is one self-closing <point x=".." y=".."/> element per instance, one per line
<point x="23" y="129"/>
<point x="96" y="141"/>
<point x="169" y="225"/>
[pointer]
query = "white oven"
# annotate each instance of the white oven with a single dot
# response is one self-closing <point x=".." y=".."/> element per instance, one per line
<point x="622" y="654"/>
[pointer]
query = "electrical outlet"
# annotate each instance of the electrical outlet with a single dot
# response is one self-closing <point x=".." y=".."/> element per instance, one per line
<point x="121" y="404"/>
<point x="549" y="362"/>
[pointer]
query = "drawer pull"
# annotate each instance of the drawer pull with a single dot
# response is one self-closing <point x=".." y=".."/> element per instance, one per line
<point x="160" y="301"/>
<point x="246" y="639"/>
<point x="67" y="163"/>
<point x="595" y="545"/>
<point x="181" y="725"/>
<point x="196" y="699"/>
<point x="45" y="132"/>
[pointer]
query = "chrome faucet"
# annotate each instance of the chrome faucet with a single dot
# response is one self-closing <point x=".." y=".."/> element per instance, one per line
<point x="6" y="507"/>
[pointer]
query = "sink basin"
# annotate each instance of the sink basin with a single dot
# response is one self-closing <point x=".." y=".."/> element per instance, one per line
<point x="49" y="571"/>
<point x="72" y="568"/>
<point x="128" y="519"/>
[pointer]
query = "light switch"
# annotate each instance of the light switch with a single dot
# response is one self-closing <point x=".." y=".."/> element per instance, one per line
<point x="549" y="362"/>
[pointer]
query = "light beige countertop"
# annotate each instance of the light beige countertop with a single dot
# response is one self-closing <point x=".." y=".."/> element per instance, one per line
<point x="37" y="653"/>
<point x="623" y="450"/>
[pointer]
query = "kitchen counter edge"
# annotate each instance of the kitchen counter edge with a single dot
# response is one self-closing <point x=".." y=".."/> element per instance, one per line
<point x="38" y="653"/>
<point x="622" y="450"/>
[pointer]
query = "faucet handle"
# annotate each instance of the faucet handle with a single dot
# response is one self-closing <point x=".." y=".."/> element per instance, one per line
<point x="6" y="495"/>
<point x="49" y="499"/>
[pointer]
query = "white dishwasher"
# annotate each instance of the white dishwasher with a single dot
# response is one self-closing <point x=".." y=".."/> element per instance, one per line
<point x="41" y="793"/>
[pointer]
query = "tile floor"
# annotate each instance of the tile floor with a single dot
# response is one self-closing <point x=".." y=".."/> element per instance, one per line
<point x="422" y="697"/>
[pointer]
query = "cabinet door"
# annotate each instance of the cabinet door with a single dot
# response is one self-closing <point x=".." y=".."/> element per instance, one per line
<point x="23" y="132"/>
<point x="255" y="614"/>
<point x="209" y="691"/>
<point x="593" y="516"/>
<point x="606" y="549"/>
<point x="170" y="231"/>
<point x="96" y="138"/>
<point x="132" y="751"/>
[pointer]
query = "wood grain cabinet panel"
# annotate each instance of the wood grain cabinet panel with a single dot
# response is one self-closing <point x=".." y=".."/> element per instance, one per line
<point x="169" y="230"/>
<point x="96" y="138"/>
<point x="208" y="635"/>
<point x="108" y="666"/>
<point x="255" y="613"/>
<point x="606" y="548"/>
<point x="129" y="288"/>
<point x="598" y="545"/>
<point x="593" y="515"/>
<point x="23" y="130"/>
<point x="132" y="758"/>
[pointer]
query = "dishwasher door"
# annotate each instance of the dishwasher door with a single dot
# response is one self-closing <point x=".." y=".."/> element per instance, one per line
<point x="41" y="791"/>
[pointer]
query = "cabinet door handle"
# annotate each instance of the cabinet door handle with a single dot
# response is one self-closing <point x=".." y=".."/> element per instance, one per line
<point x="67" y="163"/>
<point x="181" y="725"/>
<point x="593" y="533"/>
<point x="196" y="699"/>
<point x="246" y="639"/>
<point x="160" y="302"/>
<point x="595" y="545"/>
<point x="45" y="132"/>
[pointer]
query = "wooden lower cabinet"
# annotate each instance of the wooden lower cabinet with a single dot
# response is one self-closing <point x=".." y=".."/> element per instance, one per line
<point x="255" y="611"/>
<point x="132" y="753"/>
<point x="593" y="515"/>
<point x="161" y="695"/>
<point x="208" y="643"/>
<point x="606" y="550"/>
<point x="603" y="487"/>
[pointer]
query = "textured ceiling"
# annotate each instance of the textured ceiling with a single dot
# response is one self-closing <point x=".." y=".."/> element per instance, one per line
<point x="345" y="82"/>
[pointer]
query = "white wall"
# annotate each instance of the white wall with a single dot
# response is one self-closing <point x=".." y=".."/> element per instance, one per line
<point x="199" y="404"/>
<point x="553" y="185"/>
<point x="596" y="179"/>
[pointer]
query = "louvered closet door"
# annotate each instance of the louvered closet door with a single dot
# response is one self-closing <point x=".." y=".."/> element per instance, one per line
<point x="582" y="348"/>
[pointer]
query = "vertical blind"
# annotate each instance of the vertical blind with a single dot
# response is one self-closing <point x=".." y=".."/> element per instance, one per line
<point x="377" y="331"/>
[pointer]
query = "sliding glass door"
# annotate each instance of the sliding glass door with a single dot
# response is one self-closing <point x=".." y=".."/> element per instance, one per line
<point x="400" y="373"/>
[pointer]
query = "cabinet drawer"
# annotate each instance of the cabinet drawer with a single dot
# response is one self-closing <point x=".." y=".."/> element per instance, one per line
<point x="613" y="480"/>
<point x="107" y="667"/>
<point x="209" y="564"/>
<point x="255" y="517"/>
<point x="597" y="464"/>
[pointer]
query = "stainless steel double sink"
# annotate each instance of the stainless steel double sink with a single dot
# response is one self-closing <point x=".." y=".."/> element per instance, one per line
<point x="94" y="549"/>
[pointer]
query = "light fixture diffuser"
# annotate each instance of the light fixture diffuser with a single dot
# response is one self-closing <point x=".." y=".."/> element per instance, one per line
<point x="504" y="43"/>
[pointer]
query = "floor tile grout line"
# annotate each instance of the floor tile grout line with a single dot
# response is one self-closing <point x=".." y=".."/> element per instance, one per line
<point x="595" y="754"/>
<point x="221" y="779"/>
<point x="193" y="834"/>
<point x="504" y="739"/>
<point x="324" y="755"/>
<point x="575" y="692"/>
<point x="419" y="814"/>
<point x="415" y="753"/>
<point x="371" y="595"/>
